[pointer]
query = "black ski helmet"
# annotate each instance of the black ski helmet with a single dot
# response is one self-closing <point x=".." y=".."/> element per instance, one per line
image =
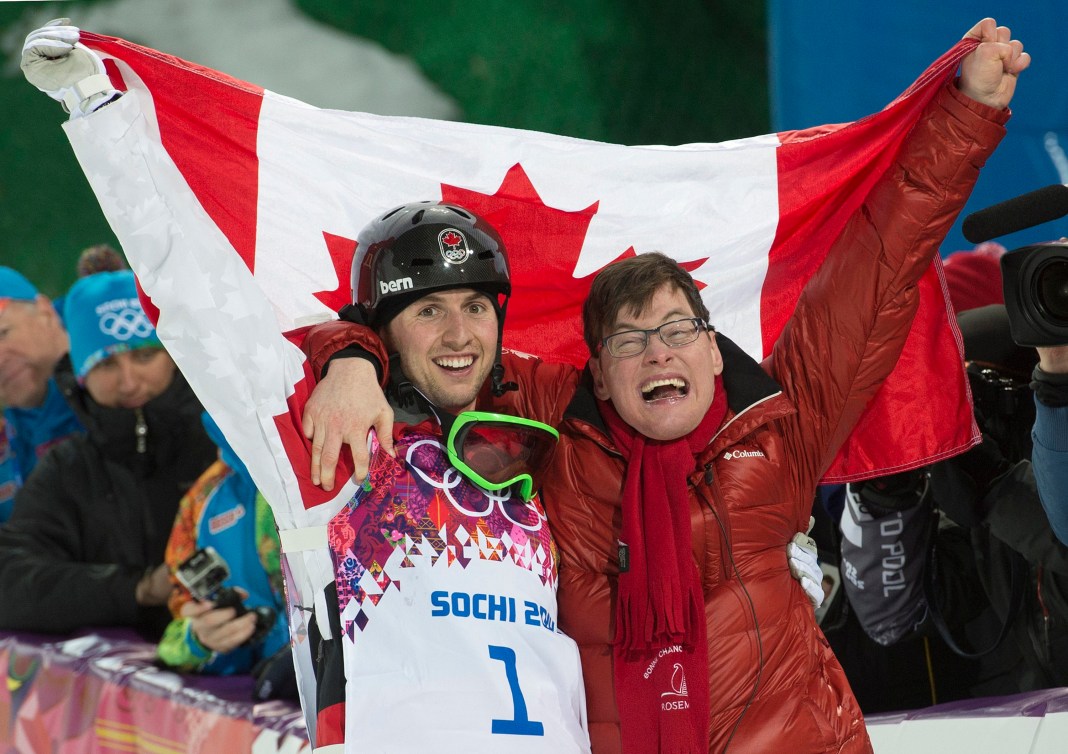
<point x="422" y="247"/>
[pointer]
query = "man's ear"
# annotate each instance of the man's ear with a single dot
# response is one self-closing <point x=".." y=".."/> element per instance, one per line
<point x="384" y="335"/>
<point x="44" y="307"/>
<point x="599" y="388"/>
<point x="717" y="357"/>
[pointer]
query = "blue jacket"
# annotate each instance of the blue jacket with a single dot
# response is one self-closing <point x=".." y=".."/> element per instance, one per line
<point x="1050" y="460"/>
<point x="30" y="432"/>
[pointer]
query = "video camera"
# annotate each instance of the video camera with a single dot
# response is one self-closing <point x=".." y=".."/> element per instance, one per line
<point x="203" y="574"/>
<point x="1035" y="281"/>
<point x="1034" y="278"/>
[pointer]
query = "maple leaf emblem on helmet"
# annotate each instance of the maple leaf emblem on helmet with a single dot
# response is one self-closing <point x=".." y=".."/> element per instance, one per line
<point x="453" y="246"/>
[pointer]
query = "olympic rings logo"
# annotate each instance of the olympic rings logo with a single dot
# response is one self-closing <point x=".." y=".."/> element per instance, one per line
<point x="126" y="324"/>
<point x="453" y="479"/>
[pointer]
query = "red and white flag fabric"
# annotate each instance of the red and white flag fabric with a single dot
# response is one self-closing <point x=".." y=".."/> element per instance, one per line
<point x="239" y="208"/>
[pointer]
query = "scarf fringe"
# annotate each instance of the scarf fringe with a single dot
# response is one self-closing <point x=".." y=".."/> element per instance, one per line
<point x="676" y="630"/>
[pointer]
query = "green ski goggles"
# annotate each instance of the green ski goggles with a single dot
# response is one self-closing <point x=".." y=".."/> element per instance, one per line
<point x="496" y="451"/>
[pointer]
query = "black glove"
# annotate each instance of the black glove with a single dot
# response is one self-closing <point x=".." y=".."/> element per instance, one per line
<point x="891" y="493"/>
<point x="276" y="677"/>
<point x="960" y="484"/>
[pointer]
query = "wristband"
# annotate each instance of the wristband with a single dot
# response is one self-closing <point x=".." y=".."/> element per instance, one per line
<point x="355" y="352"/>
<point x="1050" y="389"/>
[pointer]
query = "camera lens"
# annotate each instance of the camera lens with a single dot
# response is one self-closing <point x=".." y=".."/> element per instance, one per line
<point x="1051" y="283"/>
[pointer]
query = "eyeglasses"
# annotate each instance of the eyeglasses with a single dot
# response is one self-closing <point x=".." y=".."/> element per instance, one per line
<point x="496" y="451"/>
<point x="679" y="332"/>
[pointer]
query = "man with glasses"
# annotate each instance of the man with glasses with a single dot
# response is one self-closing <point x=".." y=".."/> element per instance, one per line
<point x="684" y="466"/>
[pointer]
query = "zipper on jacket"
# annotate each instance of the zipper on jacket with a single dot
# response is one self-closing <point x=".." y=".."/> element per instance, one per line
<point x="141" y="432"/>
<point x="1045" y="616"/>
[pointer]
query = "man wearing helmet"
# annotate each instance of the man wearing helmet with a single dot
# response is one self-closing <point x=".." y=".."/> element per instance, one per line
<point x="476" y="641"/>
<point x="695" y="464"/>
<point x="453" y="264"/>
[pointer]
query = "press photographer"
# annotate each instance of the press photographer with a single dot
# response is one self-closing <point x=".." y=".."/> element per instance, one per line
<point x="1035" y="280"/>
<point x="969" y="534"/>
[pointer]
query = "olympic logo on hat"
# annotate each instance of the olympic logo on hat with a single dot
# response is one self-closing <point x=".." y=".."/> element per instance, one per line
<point x="126" y="324"/>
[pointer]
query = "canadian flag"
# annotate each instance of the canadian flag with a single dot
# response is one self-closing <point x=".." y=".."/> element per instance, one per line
<point x="238" y="209"/>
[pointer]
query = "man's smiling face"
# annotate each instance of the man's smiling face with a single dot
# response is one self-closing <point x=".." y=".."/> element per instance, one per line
<point x="663" y="392"/>
<point x="447" y="342"/>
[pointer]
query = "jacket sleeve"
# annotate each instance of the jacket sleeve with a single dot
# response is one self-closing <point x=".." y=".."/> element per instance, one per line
<point x="180" y="649"/>
<point x="1050" y="459"/>
<point x="44" y="583"/>
<point x="543" y="392"/>
<point x="182" y="542"/>
<point x="543" y="389"/>
<point x="323" y="341"/>
<point x="854" y="315"/>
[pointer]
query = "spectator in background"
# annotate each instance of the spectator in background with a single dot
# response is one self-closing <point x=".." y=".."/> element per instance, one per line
<point x="224" y="511"/>
<point x="992" y="544"/>
<point x="917" y="671"/>
<point x="911" y="665"/>
<point x="33" y="341"/>
<point x="85" y="542"/>
<point x="100" y="257"/>
<point x="917" y="668"/>
<point x="973" y="278"/>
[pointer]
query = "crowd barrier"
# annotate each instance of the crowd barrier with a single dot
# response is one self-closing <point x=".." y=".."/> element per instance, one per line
<point x="1031" y="723"/>
<point x="101" y="692"/>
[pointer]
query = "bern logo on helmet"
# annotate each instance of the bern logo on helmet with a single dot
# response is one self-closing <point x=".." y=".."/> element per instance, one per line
<point x="453" y="246"/>
<point x="393" y="286"/>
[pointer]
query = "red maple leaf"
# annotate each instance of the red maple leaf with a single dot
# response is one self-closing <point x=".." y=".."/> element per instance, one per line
<point x="341" y="250"/>
<point x="543" y="243"/>
<point x="452" y="239"/>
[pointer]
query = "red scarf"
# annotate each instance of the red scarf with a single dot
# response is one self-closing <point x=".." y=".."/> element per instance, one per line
<point x="661" y="650"/>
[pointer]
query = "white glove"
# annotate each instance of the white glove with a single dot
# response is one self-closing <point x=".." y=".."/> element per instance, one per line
<point x="805" y="567"/>
<point x="54" y="61"/>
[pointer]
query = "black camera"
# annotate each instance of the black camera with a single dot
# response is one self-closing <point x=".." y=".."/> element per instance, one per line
<point x="203" y="574"/>
<point x="1035" y="283"/>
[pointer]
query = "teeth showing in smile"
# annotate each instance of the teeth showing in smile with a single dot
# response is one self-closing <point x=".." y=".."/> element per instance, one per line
<point x="671" y="387"/>
<point x="455" y="362"/>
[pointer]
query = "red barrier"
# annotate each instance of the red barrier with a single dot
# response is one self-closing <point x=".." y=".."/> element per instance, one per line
<point x="101" y="692"/>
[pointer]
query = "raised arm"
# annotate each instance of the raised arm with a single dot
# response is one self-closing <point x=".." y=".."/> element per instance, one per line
<point x="861" y="303"/>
